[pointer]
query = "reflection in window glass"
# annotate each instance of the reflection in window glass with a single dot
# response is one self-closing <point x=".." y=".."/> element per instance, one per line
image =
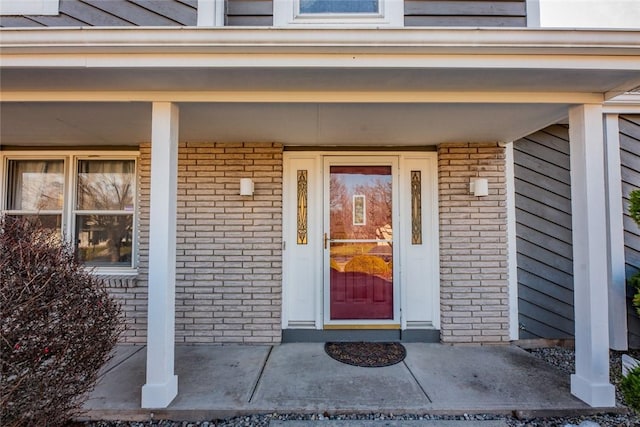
<point x="101" y="225"/>
<point x="339" y="6"/>
<point x="106" y="185"/>
<point x="361" y="200"/>
<point x="104" y="212"/>
<point x="51" y="222"/>
<point x="105" y="240"/>
<point x="35" y="185"/>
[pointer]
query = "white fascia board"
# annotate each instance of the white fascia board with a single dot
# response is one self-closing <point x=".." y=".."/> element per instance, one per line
<point x="29" y="7"/>
<point x="321" y="48"/>
<point x="622" y="109"/>
<point x="628" y="103"/>
<point x="320" y="40"/>
<point x="389" y="97"/>
<point x="47" y="58"/>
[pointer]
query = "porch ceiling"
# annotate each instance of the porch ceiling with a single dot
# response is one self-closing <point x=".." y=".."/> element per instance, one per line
<point x="79" y="123"/>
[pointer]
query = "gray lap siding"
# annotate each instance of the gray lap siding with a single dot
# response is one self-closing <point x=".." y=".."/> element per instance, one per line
<point x="630" y="167"/>
<point x="543" y="229"/>
<point x="429" y="13"/>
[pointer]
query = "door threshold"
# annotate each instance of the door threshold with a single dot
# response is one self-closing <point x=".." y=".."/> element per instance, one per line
<point x="379" y="335"/>
<point x="378" y="326"/>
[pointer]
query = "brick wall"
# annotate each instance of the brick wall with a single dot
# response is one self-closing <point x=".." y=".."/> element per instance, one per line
<point x="473" y="245"/>
<point x="229" y="261"/>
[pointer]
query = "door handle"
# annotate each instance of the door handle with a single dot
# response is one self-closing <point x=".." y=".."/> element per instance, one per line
<point x="326" y="238"/>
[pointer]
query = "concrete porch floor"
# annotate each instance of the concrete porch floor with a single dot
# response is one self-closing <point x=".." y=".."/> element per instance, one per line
<point x="222" y="381"/>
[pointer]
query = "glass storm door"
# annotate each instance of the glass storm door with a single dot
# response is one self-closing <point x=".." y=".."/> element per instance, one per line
<point x="358" y="240"/>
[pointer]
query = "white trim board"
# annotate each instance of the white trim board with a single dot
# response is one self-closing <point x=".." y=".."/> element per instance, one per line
<point x="29" y="7"/>
<point x="292" y="40"/>
<point x="514" y="329"/>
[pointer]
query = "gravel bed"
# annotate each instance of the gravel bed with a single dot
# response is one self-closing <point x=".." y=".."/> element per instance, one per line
<point x="601" y="420"/>
<point x="560" y="357"/>
<point x="564" y="359"/>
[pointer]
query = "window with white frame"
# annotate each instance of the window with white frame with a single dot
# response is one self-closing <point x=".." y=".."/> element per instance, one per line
<point x="90" y="199"/>
<point x="339" y="12"/>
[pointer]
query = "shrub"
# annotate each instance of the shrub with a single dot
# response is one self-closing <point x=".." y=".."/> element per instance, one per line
<point x="630" y="386"/>
<point x="367" y="264"/>
<point x="59" y="326"/>
<point x="634" y="206"/>
<point x="635" y="282"/>
<point x="634" y="212"/>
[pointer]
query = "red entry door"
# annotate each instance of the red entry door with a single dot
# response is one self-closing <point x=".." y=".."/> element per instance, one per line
<point x="360" y="241"/>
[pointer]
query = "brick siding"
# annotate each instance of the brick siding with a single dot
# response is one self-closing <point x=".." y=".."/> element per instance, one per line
<point x="474" y="296"/>
<point x="229" y="257"/>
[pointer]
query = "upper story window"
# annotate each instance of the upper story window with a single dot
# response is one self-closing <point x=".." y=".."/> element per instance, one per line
<point x="339" y="6"/>
<point x="29" y="7"/>
<point x="338" y="13"/>
<point x="90" y="200"/>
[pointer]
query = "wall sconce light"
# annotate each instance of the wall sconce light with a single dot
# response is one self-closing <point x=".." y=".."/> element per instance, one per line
<point x="479" y="187"/>
<point x="246" y="187"/>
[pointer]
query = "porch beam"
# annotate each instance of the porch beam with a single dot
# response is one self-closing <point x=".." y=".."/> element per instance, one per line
<point x="420" y="97"/>
<point x="617" y="275"/>
<point x="590" y="383"/>
<point x="254" y="58"/>
<point x="162" y="384"/>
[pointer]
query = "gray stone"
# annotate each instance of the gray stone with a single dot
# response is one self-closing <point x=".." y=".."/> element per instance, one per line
<point x="386" y="423"/>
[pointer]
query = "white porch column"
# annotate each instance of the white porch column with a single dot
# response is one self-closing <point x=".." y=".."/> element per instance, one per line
<point x="514" y="323"/>
<point x="588" y="206"/>
<point x="617" y="277"/>
<point x="162" y="383"/>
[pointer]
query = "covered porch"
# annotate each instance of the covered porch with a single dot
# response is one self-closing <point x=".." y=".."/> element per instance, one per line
<point x="225" y="381"/>
<point x="111" y="88"/>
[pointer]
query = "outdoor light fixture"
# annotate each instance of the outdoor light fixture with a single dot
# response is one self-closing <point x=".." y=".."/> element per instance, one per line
<point x="246" y="187"/>
<point x="479" y="187"/>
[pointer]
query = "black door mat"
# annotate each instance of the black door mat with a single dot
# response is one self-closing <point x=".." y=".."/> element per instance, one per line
<point x="366" y="354"/>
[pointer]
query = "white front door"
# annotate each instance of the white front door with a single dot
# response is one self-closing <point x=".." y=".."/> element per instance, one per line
<point x="360" y="241"/>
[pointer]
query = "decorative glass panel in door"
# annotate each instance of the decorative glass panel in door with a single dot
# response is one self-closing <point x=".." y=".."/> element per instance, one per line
<point x="360" y="241"/>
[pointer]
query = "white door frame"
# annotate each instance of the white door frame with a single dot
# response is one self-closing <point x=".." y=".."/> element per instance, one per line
<point x="418" y="283"/>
